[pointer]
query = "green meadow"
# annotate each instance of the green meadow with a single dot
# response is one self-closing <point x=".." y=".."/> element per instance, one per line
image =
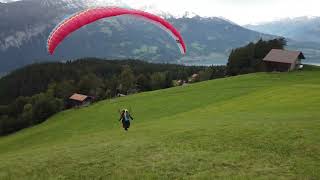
<point x="256" y="126"/>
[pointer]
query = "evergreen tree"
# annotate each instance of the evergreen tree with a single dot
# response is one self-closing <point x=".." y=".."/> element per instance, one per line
<point x="249" y="59"/>
<point x="158" y="80"/>
<point x="126" y="79"/>
<point x="143" y="83"/>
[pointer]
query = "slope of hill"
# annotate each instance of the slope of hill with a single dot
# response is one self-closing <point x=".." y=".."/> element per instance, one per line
<point x="263" y="125"/>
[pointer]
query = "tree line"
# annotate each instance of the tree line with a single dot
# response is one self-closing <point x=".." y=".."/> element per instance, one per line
<point x="249" y="59"/>
<point x="28" y="96"/>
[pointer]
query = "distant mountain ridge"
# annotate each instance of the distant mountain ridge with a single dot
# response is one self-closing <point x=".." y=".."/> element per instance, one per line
<point x="303" y="32"/>
<point x="209" y="40"/>
<point x="305" y="29"/>
<point x="23" y="40"/>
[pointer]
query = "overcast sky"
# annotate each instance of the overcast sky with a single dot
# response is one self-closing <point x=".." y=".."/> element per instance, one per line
<point x="239" y="11"/>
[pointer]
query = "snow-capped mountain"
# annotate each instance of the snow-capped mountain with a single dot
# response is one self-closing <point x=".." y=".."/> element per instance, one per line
<point x="25" y="26"/>
<point x="25" y="19"/>
<point x="7" y="1"/>
<point x="87" y="3"/>
<point x="301" y="28"/>
<point x="303" y="32"/>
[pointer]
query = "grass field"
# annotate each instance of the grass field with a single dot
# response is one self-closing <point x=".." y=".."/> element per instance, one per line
<point x="257" y="126"/>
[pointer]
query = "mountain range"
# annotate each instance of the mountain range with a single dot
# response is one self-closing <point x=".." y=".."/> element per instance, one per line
<point x="305" y="29"/>
<point x="303" y="32"/>
<point x="26" y="24"/>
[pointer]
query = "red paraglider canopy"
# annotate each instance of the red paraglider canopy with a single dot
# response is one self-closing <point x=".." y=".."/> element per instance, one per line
<point x="83" y="18"/>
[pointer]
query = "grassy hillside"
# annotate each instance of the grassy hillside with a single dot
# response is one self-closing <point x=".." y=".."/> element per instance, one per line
<point x="258" y="126"/>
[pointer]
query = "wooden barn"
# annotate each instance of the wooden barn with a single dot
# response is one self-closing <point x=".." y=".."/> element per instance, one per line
<point x="194" y="78"/>
<point x="283" y="60"/>
<point x="78" y="100"/>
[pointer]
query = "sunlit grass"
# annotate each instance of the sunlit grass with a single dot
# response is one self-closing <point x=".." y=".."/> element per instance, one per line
<point x="258" y="126"/>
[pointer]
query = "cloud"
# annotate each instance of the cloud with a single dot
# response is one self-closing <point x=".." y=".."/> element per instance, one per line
<point x="240" y="11"/>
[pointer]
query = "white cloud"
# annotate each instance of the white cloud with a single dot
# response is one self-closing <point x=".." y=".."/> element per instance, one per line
<point x="239" y="11"/>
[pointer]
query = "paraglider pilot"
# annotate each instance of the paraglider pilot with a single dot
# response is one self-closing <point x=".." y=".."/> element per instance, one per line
<point x="125" y="118"/>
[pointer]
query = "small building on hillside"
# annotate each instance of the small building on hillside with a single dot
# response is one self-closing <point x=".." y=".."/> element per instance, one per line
<point x="120" y="95"/>
<point x="78" y="100"/>
<point x="283" y="60"/>
<point x="194" y="78"/>
<point x="179" y="82"/>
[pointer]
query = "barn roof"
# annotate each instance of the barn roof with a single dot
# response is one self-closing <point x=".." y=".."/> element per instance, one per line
<point x="195" y="75"/>
<point x="78" y="97"/>
<point x="283" y="56"/>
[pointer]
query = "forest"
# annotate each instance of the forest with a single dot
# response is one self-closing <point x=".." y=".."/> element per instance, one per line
<point x="248" y="59"/>
<point x="28" y="96"/>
